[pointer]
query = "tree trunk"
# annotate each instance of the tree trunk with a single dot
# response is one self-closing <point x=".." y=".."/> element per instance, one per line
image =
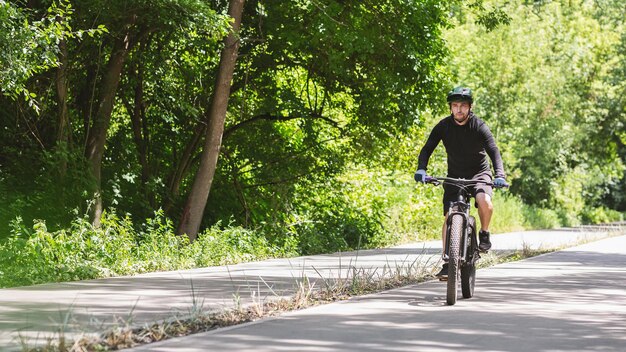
<point x="182" y="167"/>
<point x="196" y="201"/>
<point x="100" y="124"/>
<point x="63" y="134"/>
<point x="85" y="97"/>
<point x="63" y="139"/>
<point x="140" y="132"/>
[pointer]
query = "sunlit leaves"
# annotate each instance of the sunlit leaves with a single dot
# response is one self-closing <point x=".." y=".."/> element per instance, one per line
<point x="542" y="83"/>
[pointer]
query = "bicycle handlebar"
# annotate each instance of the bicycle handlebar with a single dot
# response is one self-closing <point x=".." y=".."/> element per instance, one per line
<point x="459" y="182"/>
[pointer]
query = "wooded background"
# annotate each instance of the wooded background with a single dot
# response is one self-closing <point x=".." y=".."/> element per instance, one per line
<point x="124" y="107"/>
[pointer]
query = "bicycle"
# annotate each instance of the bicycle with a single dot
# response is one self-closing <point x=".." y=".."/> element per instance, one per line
<point x="461" y="250"/>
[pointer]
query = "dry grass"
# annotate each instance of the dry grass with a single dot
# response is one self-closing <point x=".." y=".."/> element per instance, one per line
<point x="357" y="281"/>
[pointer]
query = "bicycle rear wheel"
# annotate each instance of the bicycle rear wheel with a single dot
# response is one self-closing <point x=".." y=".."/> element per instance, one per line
<point x="456" y="231"/>
<point x="468" y="271"/>
<point x="468" y="280"/>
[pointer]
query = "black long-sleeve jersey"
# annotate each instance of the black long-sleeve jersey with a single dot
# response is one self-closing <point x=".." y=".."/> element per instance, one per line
<point x="467" y="147"/>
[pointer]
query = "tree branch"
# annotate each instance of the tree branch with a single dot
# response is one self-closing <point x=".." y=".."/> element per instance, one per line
<point x="270" y="117"/>
<point x="282" y="160"/>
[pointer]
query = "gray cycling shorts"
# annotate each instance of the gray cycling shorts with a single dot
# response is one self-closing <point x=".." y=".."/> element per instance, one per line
<point x="450" y="191"/>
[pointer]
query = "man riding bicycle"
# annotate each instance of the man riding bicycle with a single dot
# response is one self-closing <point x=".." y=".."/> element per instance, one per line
<point x="468" y="141"/>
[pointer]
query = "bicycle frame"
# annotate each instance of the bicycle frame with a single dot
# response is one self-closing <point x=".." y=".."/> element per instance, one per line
<point x="460" y="207"/>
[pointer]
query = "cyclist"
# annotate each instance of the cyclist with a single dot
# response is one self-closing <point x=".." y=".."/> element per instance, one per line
<point x="468" y="142"/>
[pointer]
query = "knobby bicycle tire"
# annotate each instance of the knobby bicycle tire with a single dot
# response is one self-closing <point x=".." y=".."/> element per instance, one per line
<point x="454" y="261"/>
<point x="468" y="280"/>
<point x="468" y="271"/>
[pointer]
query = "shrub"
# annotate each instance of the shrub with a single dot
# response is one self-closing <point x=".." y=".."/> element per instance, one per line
<point x="508" y="213"/>
<point x="600" y="215"/>
<point x="82" y="252"/>
<point x="540" y="218"/>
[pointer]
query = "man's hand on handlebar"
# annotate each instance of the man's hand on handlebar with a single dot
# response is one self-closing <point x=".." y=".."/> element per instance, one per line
<point x="499" y="182"/>
<point x="420" y="176"/>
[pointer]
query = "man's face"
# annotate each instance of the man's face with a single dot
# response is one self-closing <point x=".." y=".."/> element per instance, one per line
<point x="460" y="110"/>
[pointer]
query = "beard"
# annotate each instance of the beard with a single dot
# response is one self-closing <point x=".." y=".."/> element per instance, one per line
<point x="461" y="118"/>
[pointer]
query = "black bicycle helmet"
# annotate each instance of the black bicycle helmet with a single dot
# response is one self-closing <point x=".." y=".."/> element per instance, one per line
<point x="460" y="94"/>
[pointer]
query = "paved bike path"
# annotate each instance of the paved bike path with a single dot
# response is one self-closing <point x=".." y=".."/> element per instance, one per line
<point x="38" y="312"/>
<point x="571" y="300"/>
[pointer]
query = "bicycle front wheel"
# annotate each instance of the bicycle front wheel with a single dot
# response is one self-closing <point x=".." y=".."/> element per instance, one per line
<point x="456" y="232"/>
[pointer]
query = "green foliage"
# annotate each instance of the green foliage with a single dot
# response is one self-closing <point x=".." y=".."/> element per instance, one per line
<point x="53" y="186"/>
<point x="37" y="255"/>
<point x="541" y="218"/>
<point x="490" y="19"/>
<point x="26" y="48"/>
<point x="330" y="85"/>
<point x="601" y="215"/>
<point x="339" y="216"/>
<point x="367" y="68"/>
<point x="413" y="212"/>
<point x="508" y="213"/>
<point x="543" y="85"/>
<point x="29" y="47"/>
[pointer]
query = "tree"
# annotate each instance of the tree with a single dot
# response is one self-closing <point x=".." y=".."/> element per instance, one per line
<point x="133" y="22"/>
<point x="322" y="85"/>
<point x="194" y="208"/>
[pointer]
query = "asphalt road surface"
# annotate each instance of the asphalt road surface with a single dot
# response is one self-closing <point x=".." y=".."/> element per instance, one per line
<point x="571" y="300"/>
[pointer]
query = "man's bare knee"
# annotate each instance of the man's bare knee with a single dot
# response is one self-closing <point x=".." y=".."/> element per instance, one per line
<point x="483" y="201"/>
